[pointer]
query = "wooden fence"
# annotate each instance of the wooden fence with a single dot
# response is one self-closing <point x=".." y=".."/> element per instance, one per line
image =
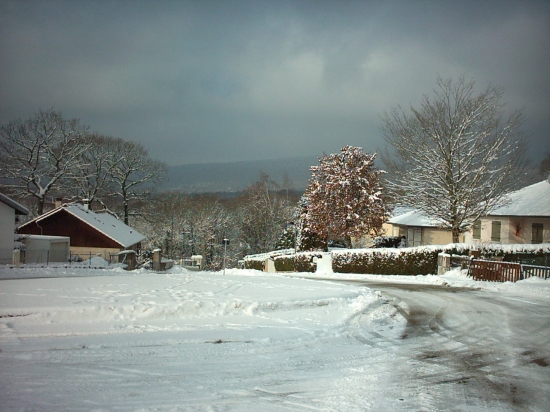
<point x="496" y="271"/>
<point x="528" y="271"/>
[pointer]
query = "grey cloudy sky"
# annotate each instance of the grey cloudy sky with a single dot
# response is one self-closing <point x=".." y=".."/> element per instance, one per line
<point x="214" y="81"/>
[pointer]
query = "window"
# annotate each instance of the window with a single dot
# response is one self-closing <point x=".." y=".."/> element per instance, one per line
<point x="536" y="232"/>
<point x="477" y="229"/>
<point x="495" y="230"/>
<point x="414" y="236"/>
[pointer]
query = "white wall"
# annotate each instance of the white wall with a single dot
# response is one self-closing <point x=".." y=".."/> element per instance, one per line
<point x="45" y="249"/>
<point x="516" y="230"/>
<point x="7" y="226"/>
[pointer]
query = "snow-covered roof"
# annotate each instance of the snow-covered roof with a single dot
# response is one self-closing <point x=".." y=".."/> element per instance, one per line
<point x="532" y="200"/>
<point x="103" y="222"/>
<point x="19" y="209"/>
<point x="414" y="218"/>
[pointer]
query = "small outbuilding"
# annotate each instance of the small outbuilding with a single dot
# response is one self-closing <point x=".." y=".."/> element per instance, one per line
<point x="45" y="249"/>
<point x="9" y="210"/>
<point x="91" y="233"/>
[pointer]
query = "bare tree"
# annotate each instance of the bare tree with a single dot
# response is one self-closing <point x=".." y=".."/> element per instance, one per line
<point x="165" y="218"/>
<point x="184" y="225"/>
<point x="91" y="180"/>
<point x="132" y="173"/>
<point x="263" y="214"/>
<point x="457" y="156"/>
<point x="38" y="154"/>
<point x="345" y="197"/>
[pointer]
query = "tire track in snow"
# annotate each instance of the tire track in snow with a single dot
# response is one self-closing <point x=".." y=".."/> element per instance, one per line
<point x="448" y="335"/>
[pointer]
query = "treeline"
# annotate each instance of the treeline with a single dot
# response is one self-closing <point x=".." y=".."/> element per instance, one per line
<point x="255" y="221"/>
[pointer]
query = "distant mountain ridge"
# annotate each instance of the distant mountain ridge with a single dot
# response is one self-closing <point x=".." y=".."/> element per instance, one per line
<point x="236" y="176"/>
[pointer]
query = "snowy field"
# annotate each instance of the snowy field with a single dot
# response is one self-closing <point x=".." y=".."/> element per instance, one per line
<point x="78" y="339"/>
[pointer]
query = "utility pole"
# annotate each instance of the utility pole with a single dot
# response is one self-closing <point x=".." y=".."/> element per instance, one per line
<point x="225" y="243"/>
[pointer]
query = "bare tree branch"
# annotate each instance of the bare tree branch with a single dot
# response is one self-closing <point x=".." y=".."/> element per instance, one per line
<point x="39" y="154"/>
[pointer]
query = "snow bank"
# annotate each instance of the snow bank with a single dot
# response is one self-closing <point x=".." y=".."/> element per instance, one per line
<point x="113" y="301"/>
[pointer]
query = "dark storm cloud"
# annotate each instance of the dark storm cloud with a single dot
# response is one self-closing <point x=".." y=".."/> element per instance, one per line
<point x="205" y="81"/>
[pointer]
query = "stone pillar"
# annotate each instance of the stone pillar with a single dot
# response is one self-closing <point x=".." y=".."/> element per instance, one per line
<point x="324" y="264"/>
<point x="156" y="260"/>
<point x="443" y="263"/>
<point x="269" y="266"/>
<point x="131" y="260"/>
<point x="16" y="260"/>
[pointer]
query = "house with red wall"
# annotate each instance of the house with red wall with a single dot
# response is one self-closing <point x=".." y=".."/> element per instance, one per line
<point x="91" y="233"/>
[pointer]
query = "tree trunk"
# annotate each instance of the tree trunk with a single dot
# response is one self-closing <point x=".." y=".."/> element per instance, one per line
<point x="40" y="206"/>
<point x="456" y="234"/>
<point x="126" y="213"/>
<point x="348" y="241"/>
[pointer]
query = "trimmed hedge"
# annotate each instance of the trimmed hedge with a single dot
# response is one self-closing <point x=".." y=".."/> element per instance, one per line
<point x="254" y="264"/>
<point x="423" y="260"/>
<point x="383" y="262"/>
<point x="420" y="260"/>
<point x="301" y="262"/>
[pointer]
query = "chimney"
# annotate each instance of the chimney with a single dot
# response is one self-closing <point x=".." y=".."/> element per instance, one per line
<point x="58" y="202"/>
<point x="86" y="203"/>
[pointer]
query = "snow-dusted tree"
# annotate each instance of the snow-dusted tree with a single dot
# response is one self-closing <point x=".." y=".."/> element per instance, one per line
<point x="39" y="154"/>
<point x="91" y="180"/>
<point x="457" y="156"/>
<point x="263" y="215"/>
<point x="133" y="173"/>
<point x="184" y="225"/>
<point x="344" y="198"/>
<point x="164" y="218"/>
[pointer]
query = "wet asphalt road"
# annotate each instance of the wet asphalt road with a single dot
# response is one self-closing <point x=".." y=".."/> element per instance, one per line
<point x="467" y="349"/>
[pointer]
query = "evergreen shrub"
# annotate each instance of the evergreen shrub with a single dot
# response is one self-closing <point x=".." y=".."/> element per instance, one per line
<point x="411" y="261"/>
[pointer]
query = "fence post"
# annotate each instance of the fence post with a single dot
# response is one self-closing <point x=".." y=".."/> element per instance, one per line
<point x="521" y="272"/>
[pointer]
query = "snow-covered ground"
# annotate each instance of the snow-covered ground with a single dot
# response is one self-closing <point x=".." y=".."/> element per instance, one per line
<point x="84" y="339"/>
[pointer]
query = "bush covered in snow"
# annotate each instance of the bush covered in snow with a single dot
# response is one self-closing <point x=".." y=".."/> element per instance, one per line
<point x="386" y="241"/>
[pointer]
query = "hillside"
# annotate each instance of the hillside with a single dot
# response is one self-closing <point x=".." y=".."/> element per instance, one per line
<point x="235" y="176"/>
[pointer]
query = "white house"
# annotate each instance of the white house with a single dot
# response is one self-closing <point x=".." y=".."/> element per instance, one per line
<point x="8" y="211"/>
<point x="525" y="218"/>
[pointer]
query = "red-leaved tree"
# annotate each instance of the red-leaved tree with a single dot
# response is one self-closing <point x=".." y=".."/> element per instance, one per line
<point x="344" y="198"/>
